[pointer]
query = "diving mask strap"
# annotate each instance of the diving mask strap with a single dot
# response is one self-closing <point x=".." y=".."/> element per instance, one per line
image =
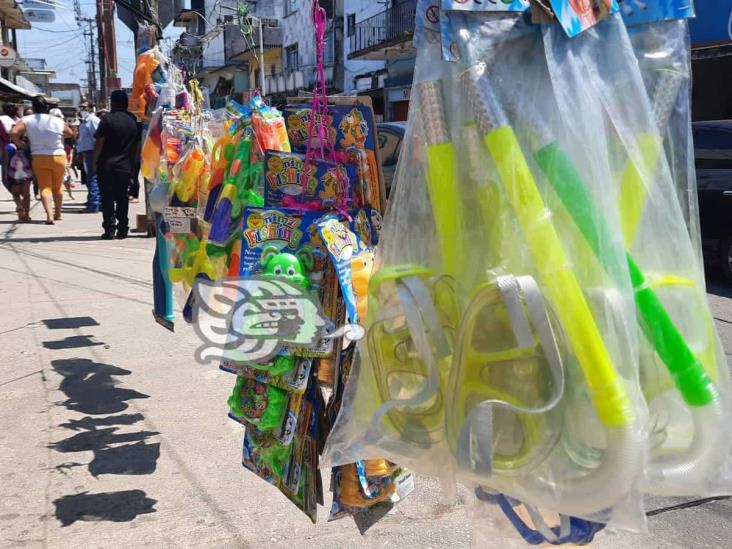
<point x="475" y="441"/>
<point x="423" y="323"/>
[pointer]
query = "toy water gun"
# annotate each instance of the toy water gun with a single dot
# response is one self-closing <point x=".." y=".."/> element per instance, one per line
<point x="146" y="63"/>
<point x="162" y="287"/>
<point x="610" y="481"/>
<point x="222" y="154"/>
<point x="271" y="131"/>
<point x="182" y="254"/>
<point x="152" y="148"/>
<point x="236" y="194"/>
<point x="186" y="187"/>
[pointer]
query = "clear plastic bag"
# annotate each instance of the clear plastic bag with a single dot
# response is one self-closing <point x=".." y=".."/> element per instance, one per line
<point x="689" y="441"/>
<point x="479" y="313"/>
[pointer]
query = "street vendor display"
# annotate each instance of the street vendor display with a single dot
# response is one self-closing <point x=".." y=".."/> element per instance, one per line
<point x="528" y="319"/>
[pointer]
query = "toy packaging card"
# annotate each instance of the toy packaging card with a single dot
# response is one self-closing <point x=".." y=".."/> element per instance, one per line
<point x="575" y="17"/>
<point x="349" y="126"/>
<point x="350" y="258"/>
<point x="294" y="380"/>
<point x="328" y="185"/>
<point x="637" y="12"/>
<point x="285" y="244"/>
<point x="269" y="409"/>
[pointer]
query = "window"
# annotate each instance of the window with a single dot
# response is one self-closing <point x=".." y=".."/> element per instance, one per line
<point x="329" y="52"/>
<point x="290" y="7"/>
<point x="351" y="24"/>
<point x="713" y="148"/>
<point x="292" y="56"/>
<point x="389" y="146"/>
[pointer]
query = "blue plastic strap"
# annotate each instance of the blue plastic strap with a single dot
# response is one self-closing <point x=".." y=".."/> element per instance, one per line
<point x="572" y="530"/>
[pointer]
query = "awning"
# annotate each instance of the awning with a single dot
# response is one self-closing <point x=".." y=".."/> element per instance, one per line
<point x="13" y="92"/>
<point x="12" y="15"/>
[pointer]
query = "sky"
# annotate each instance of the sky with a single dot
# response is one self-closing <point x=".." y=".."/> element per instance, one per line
<point x="62" y="44"/>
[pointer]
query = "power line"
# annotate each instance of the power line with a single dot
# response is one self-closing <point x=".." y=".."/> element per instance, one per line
<point x="55" y="44"/>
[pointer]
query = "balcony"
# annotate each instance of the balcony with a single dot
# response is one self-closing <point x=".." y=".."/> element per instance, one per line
<point x="386" y="35"/>
<point x="237" y="48"/>
<point x="292" y="81"/>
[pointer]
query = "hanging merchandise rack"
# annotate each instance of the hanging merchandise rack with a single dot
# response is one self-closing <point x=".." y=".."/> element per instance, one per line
<point x="517" y="322"/>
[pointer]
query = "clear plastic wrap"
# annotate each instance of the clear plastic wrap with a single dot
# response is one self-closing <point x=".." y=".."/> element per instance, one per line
<point x="537" y="319"/>
<point x="485" y="306"/>
<point x="690" y="443"/>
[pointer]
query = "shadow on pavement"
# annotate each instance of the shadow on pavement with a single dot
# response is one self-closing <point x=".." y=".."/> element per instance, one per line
<point x="91" y="388"/>
<point x="72" y="342"/>
<point x="90" y="423"/>
<point x="37" y="239"/>
<point x="87" y="441"/>
<point x="69" y="323"/>
<point x="107" y="506"/>
<point x="126" y="459"/>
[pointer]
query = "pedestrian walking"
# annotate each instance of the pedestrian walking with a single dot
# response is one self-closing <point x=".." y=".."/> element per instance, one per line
<point x="27" y="111"/>
<point x="7" y="120"/>
<point x="116" y="151"/>
<point x="68" y="148"/>
<point x="18" y="179"/>
<point x="85" y="147"/>
<point x="45" y="134"/>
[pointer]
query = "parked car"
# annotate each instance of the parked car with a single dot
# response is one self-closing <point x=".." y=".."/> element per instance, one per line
<point x="391" y="135"/>
<point x="713" y="158"/>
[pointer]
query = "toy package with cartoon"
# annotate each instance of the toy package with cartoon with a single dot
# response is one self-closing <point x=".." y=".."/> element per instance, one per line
<point x="353" y="262"/>
<point x="351" y="127"/>
<point x="327" y="185"/>
<point x="284" y="245"/>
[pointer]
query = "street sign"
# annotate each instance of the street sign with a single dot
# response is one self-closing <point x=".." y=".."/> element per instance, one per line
<point x="7" y="56"/>
<point x="712" y="25"/>
<point x="40" y="15"/>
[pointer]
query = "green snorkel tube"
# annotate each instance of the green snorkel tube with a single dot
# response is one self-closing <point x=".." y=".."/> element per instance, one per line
<point x="669" y="474"/>
<point x="612" y="480"/>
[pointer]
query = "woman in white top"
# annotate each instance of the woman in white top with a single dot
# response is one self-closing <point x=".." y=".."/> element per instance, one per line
<point x="46" y="135"/>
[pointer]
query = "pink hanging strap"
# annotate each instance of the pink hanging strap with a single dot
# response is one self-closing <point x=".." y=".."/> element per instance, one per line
<point x="319" y="107"/>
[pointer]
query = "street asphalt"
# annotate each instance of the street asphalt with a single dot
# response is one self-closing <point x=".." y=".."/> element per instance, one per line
<point x="111" y="435"/>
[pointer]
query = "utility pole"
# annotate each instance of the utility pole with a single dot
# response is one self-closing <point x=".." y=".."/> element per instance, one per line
<point x="91" y="61"/>
<point x="101" y="42"/>
<point x="91" y="58"/>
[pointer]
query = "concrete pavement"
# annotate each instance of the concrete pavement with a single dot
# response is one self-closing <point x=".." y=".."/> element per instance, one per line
<point x="110" y="434"/>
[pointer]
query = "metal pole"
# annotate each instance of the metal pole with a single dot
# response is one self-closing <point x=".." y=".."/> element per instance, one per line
<point x="261" y="59"/>
<point x="102" y="44"/>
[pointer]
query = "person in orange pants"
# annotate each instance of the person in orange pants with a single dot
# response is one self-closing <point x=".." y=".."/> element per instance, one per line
<point x="46" y="134"/>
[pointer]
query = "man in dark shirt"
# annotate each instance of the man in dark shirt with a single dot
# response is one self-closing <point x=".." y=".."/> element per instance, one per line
<point x="116" y="151"/>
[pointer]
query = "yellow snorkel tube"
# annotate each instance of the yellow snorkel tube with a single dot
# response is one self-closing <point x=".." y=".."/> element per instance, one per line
<point x="612" y="480"/>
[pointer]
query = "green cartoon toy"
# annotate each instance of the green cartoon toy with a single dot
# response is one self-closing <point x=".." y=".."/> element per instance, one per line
<point x="290" y="267"/>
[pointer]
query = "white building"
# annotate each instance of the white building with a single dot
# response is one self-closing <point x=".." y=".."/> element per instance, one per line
<point x="360" y="73"/>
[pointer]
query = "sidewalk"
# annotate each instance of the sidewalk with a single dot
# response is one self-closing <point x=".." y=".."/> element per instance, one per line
<point x="113" y="436"/>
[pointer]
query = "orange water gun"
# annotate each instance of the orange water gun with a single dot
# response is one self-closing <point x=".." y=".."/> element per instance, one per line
<point x="186" y="185"/>
<point x="147" y="62"/>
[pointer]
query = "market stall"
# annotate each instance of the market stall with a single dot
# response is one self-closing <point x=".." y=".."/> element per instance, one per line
<point x="515" y="323"/>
